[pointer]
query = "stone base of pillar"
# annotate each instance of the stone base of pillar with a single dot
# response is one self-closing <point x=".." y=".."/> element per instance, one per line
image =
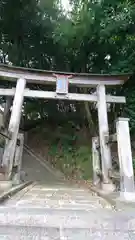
<point x="97" y="183"/>
<point x="2" y="177"/>
<point x="108" y="187"/>
<point x="127" y="196"/>
<point x="16" y="179"/>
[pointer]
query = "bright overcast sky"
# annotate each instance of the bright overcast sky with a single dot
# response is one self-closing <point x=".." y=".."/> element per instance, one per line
<point x="65" y="3"/>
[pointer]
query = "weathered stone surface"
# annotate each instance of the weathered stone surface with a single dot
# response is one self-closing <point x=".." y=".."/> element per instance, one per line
<point x="2" y="177"/>
<point x="5" y="185"/>
<point x="53" y="209"/>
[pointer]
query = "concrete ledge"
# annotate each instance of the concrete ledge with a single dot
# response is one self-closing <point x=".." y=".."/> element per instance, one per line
<point x="6" y="194"/>
<point x="5" y="185"/>
<point x="108" y="187"/>
<point x="127" y="196"/>
<point x="114" y="199"/>
<point x="106" y="196"/>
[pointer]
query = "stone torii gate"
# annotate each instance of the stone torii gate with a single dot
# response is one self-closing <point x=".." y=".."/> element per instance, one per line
<point x="62" y="80"/>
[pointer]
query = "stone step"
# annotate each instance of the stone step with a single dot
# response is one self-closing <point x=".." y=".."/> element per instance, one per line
<point x="57" y="198"/>
<point x="26" y="223"/>
<point x="61" y="202"/>
<point x="60" y="205"/>
<point x="41" y="217"/>
<point x="61" y="189"/>
<point x="71" y="219"/>
<point x="43" y="233"/>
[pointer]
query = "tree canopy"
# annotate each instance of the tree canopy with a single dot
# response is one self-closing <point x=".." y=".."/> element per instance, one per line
<point x="96" y="36"/>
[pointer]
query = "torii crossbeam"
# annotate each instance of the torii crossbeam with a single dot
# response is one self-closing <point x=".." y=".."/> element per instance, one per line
<point x="62" y="80"/>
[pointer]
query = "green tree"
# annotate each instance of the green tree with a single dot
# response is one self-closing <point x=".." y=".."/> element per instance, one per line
<point x="96" y="36"/>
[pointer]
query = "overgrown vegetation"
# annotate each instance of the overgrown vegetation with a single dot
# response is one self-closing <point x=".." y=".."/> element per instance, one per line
<point x="96" y="36"/>
<point x="72" y="161"/>
<point x="66" y="148"/>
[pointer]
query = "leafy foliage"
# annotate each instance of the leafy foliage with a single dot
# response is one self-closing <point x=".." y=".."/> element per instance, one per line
<point x="65" y="148"/>
<point x="95" y="36"/>
<point x="74" y="162"/>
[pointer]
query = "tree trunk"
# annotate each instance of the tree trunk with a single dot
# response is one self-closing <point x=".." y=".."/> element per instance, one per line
<point x="89" y="119"/>
<point x="91" y="125"/>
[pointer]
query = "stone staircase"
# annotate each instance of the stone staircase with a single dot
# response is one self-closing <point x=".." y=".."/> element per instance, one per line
<point x="57" y="211"/>
<point x="53" y="211"/>
<point x="52" y="208"/>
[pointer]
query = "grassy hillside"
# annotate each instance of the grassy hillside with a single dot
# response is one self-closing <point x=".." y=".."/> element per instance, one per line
<point x="67" y="148"/>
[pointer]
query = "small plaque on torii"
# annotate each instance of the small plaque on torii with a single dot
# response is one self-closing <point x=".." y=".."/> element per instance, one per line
<point x="62" y="84"/>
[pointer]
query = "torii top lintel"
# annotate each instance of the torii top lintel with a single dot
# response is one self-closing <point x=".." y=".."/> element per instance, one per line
<point x="8" y="72"/>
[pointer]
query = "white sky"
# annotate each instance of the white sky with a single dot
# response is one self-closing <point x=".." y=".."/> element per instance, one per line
<point x="65" y="4"/>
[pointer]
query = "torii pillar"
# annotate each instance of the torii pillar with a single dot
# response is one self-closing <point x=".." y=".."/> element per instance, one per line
<point x="13" y="129"/>
<point x="6" y="113"/>
<point x="107" y="184"/>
